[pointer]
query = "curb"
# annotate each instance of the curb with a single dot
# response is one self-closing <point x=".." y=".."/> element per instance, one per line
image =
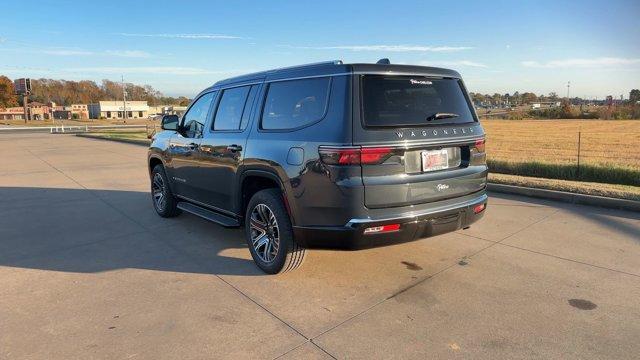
<point x="582" y="199"/>
<point x="126" y="141"/>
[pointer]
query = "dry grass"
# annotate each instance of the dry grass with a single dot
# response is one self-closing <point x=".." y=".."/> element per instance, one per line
<point x="603" y="143"/>
<point x="577" y="187"/>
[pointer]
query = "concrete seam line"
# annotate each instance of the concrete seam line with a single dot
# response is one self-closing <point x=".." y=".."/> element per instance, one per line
<point x="582" y="199"/>
<point x="321" y="348"/>
<point x="571" y="260"/>
<point x="308" y="341"/>
<point x="126" y="141"/>
<point x="550" y="255"/>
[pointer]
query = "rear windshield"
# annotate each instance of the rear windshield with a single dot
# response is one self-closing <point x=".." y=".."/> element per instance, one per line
<point x="413" y="101"/>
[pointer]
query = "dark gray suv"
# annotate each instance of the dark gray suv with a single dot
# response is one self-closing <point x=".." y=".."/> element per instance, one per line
<point x="327" y="154"/>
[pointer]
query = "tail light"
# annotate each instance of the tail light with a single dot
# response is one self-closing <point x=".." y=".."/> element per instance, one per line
<point x="382" y="229"/>
<point x="478" y="154"/>
<point x="354" y="155"/>
<point x="479" y="208"/>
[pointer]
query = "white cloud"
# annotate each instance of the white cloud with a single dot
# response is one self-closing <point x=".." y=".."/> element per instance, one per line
<point x="605" y="62"/>
<point x="184" y="36"/>
<point x="388" y="48"/>
<point x="454" y="63"/>
<point x="161" y="70"/>
<point x="128" y="53"/>
<point x="62" y="52"/>
<point x="80" y="52"/>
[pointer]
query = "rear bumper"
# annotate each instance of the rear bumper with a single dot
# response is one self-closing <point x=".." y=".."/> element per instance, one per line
<point x="433" y="220"/>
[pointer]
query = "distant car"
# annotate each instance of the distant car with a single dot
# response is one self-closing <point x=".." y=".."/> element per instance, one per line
<point x="328" y="154"/>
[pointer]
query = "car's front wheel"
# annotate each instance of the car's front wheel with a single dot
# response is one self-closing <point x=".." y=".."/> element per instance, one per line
<point x="163" y="200"/>
<point x="269" y="233"/>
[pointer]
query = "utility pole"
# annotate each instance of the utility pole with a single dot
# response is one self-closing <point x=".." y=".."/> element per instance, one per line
<point x="124" y="100"/>
<point x="25" y="99"/>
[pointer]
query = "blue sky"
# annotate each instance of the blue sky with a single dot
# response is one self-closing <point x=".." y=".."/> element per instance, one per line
<point x="180" y="47"/>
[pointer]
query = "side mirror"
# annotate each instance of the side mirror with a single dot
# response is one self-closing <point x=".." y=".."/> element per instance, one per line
<point x="170" y="122"/>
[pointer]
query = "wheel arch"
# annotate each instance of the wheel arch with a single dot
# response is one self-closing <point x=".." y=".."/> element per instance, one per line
<point x="155" y="160"/>
<point x="252" y="181"/>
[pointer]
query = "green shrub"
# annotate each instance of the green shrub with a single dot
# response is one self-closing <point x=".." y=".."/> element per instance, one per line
<point x="593" y="173"/>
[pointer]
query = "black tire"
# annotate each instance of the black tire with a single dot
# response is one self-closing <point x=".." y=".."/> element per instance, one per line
<point x="289" y="254"/>
<point x="160" y="184"/>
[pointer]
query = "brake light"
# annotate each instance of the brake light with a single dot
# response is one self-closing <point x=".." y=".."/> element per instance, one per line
<point x="354" y="156"/>
<point x="374" y="155"/>
<point x="479" y="208"/>
<point x="480" y="145"/>
<point x="382" y="229"/>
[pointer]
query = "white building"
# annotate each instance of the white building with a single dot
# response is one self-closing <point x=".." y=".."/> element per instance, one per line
<point x="115" y="110"/>
<point x="167" y="110"/>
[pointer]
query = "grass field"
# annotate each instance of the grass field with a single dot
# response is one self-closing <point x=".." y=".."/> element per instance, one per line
<point x="607" y="150"/>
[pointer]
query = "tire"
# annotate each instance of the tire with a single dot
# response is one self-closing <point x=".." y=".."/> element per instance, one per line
<point x="263" y="236"/>
<point x="163" y="200"/>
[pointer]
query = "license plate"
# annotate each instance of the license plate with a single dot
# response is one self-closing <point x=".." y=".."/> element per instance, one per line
<point x="433" y="160"/>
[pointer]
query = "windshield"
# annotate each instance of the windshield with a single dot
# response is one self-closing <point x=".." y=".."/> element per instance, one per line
<point x="413" y="101"/>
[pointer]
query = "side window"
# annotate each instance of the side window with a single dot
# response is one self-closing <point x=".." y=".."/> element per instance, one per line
<point x="193" y="121"/>
<point x="230" y="109"/>
<point x="295" y="103"/>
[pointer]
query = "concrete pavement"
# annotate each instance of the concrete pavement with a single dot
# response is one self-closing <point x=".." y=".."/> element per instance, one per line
<point x="88" y="270"/>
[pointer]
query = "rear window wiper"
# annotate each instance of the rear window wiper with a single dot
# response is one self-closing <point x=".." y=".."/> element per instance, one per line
<point x="437" y="116"/>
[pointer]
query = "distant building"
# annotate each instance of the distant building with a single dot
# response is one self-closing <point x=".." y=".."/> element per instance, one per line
<point x="545" y="104"/>
<point x="61" y="113"/>
<point x="81" y="111"/>
<point x="167" y="110"/>
<point x="12" y="113"/>
<point x="116" y="110"/>
<point x="40" y="111"/>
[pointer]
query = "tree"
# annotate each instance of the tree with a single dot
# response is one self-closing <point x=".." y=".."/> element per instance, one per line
<point x="528" y="98"/>
<point x="566" y="111"/>
<point x="8" y="98"/>
<point x="634" y="95"/>
<point x="67" y="92"/>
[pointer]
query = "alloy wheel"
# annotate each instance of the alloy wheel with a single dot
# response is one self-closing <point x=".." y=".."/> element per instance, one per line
<point x="158" y="191"/>
<point x="265" y="234"/>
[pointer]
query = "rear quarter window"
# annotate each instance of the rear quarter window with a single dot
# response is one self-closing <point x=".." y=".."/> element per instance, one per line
<point x="295" y="103"/>
<point x="403" y="101"/>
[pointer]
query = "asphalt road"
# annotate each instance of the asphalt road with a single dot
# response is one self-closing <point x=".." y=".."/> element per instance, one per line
<point x="87" y="270"/>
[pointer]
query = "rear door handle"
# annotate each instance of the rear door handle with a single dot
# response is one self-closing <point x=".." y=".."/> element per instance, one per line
<point x="234" y="148"/>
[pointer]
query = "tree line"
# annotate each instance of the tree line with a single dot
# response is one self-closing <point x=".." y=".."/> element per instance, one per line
<point x="527" y="98"/>
<point x="67" y="92"/>
<point x="516" y="98"/>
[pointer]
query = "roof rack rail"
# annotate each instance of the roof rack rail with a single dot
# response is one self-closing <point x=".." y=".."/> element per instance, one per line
<point x="331" y="62"/>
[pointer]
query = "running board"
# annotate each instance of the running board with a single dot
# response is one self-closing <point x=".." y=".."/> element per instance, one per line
<point x="217" y="218"/>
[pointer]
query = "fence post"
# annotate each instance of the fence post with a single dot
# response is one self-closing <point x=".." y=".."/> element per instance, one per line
<point x="578" y="171"/>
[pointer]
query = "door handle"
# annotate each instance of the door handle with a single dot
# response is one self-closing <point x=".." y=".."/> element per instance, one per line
<point x="234" y="148"/>
<point x="193" y="146"/>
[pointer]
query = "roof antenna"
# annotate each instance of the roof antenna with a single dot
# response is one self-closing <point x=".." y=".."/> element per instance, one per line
<point x="384" y="61"/>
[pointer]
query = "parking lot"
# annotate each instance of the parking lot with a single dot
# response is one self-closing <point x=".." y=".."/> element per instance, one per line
<point x="88" y="270"/>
